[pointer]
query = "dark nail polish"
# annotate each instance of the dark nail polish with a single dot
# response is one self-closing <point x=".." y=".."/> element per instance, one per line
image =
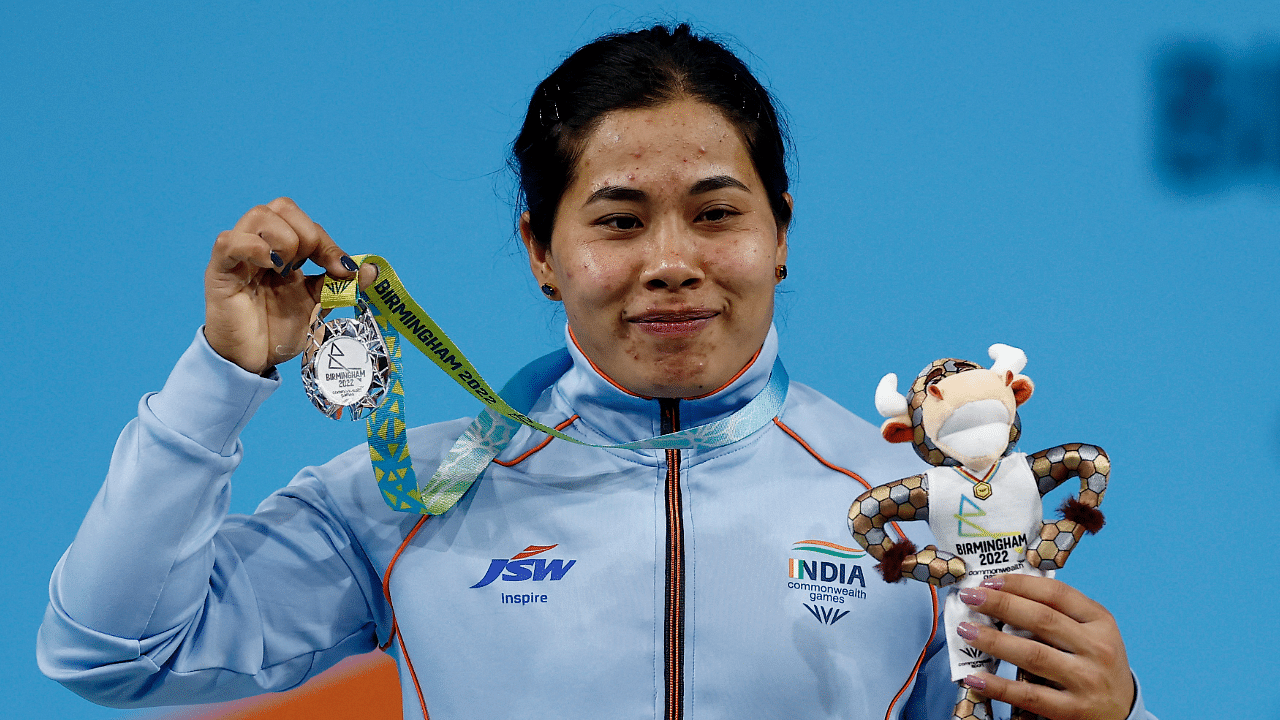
<point x="300" y="263"/>
<point x="284" y="271"/>
<point x="973" y="596"/>
<point x="275" y="258"/>
<point x="349" y="264"/>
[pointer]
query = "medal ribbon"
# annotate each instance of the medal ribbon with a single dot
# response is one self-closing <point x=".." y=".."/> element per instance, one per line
<point x="980" y="482"/>
<point x="400" y="318"/>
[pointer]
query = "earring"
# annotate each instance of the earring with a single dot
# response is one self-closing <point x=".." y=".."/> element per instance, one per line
<point x="780" y="272"/>
<point x="549" y="291"/>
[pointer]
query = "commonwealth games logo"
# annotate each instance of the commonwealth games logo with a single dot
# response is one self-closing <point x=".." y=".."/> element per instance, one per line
<point x="834" y="579"/>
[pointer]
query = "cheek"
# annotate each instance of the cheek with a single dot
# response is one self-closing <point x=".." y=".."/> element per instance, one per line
<point x="594" y="275"/>
<point x="748" y="268"/>
<point x="931" y="417"/>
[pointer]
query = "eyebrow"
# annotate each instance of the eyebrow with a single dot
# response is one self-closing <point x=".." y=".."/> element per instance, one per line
<point x="626" y="194"/>
<point x="717" y="182"/>
<point x="613" y="192"/>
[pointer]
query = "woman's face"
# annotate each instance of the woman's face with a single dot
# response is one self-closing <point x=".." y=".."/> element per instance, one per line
<point x="664" y="250"/>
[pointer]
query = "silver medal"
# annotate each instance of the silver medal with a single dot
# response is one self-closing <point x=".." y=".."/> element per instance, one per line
<point x="345" y="365"/>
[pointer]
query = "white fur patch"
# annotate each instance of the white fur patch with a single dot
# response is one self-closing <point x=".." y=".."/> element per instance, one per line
<point x="977" y="429"/>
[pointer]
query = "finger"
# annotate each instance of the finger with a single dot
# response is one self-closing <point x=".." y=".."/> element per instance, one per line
<point x="1038" y="619"/>
<point x="368" y="274"/>
<point x="1053" y="593"/>
<point x="332" y="258"/>
<point x="1101" y="700"/>
<point x="279" y="234"/>
<point x="314" y="243"/>
<point x="1087" y="656"/>
<point x="1039" y="699"/>
<point x="310" y="235"/>
<point x="232" y="248"/>
<point x="315" y="283"/>
<point x="1026" y="653"/>
<point x="315" y="286"/>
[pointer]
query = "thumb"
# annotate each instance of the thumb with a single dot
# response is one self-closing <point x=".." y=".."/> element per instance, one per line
<point x="368" y="273"/>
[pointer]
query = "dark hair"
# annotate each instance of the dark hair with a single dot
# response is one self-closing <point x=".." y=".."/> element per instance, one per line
<point x="639" y="70"/>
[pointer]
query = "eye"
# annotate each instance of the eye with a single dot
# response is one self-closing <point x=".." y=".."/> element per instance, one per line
<point x="620" y="222"/>
<point x="717" y="214"/>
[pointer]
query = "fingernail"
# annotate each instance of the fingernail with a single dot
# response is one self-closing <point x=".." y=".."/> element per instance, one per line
<point x="975" y="682"/>
<point x="967" y="630"/>
<point x="973" y="596"/>
<point x="349" y="264"/>
<point x="284" y="271"/>
<point x="275" y="258"/>
<point x="300" y="263"/>
<point x="995" y="582"/>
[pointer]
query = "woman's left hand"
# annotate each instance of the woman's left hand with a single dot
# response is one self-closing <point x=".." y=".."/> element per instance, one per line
<point x="1076" y="644"/>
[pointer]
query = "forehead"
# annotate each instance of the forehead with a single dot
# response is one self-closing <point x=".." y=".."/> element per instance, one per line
<point x="670" y="145"/>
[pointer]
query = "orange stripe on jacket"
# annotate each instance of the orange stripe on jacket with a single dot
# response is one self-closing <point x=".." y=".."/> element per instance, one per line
<point x="600" y="372"/>
<point x="535" y="448"/>
<point x="731" y="380"/>
<point x="395" y="625"/>
<point x="933" y="592"/>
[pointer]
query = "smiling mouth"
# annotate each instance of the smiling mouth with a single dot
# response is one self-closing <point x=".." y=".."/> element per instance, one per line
<point x="673" y="322"/>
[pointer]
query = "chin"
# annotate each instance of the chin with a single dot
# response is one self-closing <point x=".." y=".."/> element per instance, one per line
<point x="676" y="380"/>
<point x="677" y="367"/>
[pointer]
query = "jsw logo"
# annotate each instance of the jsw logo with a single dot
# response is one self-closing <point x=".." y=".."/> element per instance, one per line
<point x="521" y="567"/>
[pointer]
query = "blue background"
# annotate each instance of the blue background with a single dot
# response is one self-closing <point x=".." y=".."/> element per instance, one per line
<point x="964" y="176"/>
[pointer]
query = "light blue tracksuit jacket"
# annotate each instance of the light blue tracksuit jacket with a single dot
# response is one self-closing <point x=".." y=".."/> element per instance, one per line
<point x="569" y="582"/>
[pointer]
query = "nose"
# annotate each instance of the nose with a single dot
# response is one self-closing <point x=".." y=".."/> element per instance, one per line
<point x="673" y="261"/>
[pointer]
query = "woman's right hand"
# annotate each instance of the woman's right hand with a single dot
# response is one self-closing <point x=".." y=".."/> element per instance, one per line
<point x="258" y="306"/>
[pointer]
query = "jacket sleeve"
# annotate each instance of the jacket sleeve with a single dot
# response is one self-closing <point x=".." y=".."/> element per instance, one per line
<point x="163" y="599"/>
<point x="1139" y="711"/>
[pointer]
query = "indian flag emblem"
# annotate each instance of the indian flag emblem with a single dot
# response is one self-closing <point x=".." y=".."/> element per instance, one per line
<point x="801" y="570"/>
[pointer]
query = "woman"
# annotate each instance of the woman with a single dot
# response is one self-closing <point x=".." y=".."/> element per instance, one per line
<point x="569" y="581"/>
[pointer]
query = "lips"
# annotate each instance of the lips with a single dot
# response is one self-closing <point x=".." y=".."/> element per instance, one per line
<point x="673" y="322"/>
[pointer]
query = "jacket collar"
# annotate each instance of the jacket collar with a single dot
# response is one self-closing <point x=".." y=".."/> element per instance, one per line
<point x="622" y="416"/>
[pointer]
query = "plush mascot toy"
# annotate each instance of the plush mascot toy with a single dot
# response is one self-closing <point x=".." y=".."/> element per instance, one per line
<point x="982" y="499"/>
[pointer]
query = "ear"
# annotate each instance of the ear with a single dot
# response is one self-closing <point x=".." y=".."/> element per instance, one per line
<point x="539" y="255"/>
<point x="1022" y="388"/>
<point x="780" y="257"/>
<point x="897" y="429"/>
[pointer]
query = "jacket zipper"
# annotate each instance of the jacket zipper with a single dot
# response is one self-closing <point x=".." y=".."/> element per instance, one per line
<point x="674" y="619"/>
